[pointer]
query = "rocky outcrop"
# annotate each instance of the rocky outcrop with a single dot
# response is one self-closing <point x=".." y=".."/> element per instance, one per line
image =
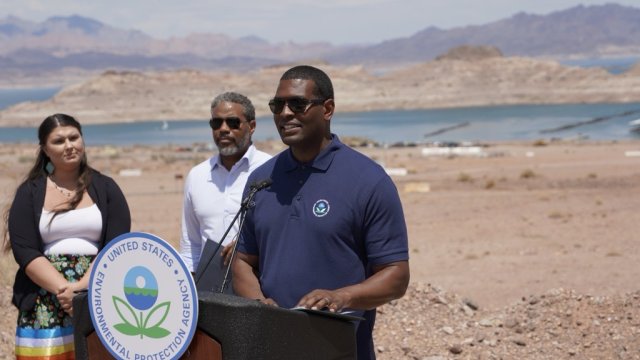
<point x="471" y="53"/>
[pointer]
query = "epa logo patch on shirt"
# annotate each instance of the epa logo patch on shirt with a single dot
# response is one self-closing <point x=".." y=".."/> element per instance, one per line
<point x="321" y="208"/>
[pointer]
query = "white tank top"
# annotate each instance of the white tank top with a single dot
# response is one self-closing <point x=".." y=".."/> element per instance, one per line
<point x="75" y="232"/>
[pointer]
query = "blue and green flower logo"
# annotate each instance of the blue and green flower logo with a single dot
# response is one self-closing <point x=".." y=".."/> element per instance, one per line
<point x="141" y="293"/>
<point x="321" y="208"/>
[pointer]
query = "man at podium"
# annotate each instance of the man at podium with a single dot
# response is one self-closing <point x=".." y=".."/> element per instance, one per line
<point x="329" y="233"/>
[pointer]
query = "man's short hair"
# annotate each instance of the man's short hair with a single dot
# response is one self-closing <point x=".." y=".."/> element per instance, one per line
<point x="323" y="89"/>
<point x="248" y="110"/>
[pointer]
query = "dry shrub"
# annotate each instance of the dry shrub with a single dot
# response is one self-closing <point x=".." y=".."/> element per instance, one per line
<point x="527" y="174"/>
<point x="556" y="215"/>
<point x="25" y="159"/>
<point x="464" y="177"/>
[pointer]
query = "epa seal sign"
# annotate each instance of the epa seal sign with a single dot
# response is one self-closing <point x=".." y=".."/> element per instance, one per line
<point x="135" y="316"/>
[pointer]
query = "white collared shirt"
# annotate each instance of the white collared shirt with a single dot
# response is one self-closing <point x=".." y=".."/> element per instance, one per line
<point x="212" y="197"/>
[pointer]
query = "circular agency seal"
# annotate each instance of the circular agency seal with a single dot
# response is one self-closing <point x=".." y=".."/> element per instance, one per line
<point x="142" y="299"/>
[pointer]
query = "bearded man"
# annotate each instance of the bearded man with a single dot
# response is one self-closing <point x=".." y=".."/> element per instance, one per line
<point x="213" y="189"/>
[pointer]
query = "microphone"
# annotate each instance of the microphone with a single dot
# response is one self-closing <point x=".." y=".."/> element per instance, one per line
<point x="261" y="184"/>
<point x="253" y="189"/>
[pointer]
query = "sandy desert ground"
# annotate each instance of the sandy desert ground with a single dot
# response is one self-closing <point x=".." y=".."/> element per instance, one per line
<point x="530" y="250"/>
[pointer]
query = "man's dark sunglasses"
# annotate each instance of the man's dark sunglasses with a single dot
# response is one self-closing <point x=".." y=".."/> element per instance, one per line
<point x="232" y="122"/>
<point x="297" y="105"/>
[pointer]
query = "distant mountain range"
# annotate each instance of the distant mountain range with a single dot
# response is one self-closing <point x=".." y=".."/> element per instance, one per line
<point x="78" y="42"/>
<point x="581" y="31"/>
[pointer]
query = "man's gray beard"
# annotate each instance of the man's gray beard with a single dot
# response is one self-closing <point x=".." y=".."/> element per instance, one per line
<point x="241" y="146"/>
<point x="229" y="150"/>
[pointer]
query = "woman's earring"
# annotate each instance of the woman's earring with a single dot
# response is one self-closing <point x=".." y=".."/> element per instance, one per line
<point x="49" y="167"/>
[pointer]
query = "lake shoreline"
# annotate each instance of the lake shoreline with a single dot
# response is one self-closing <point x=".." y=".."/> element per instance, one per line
<point x="397" y="128"/>
<point x="441" y="84"/>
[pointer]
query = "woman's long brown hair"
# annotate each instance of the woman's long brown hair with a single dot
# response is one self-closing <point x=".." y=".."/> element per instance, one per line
<point x="39" y="168"/>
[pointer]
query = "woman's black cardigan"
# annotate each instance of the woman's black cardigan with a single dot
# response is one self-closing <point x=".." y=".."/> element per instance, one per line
<point x="24" y="220"/>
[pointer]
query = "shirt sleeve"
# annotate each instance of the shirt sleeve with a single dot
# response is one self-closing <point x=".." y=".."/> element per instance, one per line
<point x="385" y="229"/>
<point x="190" y="239"/>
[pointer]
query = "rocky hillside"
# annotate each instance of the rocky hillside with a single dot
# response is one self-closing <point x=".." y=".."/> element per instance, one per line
<point x="453" y="81"/>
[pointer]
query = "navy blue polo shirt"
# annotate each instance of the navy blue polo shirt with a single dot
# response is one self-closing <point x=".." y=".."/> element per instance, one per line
<point x="323" y="225"/>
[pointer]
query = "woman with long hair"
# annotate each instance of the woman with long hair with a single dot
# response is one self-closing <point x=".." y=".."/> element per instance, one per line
<point x="62" y="215"/>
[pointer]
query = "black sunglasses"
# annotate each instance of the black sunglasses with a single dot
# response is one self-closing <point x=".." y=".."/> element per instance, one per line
<point x="232" y="122"/>
<point x="297" y="105"/>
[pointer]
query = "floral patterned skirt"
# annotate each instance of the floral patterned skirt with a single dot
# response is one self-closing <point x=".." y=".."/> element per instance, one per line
<point x="46" y="331"/>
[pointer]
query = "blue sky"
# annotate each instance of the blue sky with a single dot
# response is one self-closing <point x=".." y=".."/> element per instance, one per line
<point x="334" y="21"/>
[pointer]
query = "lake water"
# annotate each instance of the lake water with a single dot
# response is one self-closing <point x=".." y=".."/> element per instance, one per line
<point x="494" y="123"/>
<point x="612" y="65"/>
<point x="13" y="96"/>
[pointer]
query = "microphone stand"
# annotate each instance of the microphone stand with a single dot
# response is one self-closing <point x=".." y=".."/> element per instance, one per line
<point x="242" y="212"/>
<point x="244" y="206"/>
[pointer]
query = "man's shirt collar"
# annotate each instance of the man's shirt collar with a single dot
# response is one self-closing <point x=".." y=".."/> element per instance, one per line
<point x="320" y="162"/>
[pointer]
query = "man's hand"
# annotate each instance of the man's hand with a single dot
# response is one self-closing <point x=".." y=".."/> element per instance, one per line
<point x="388" y="282"/>
<point x="320" y="299"/>
<point x="269" y="301"/>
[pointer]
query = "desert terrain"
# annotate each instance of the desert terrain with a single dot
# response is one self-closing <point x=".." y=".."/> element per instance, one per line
<point x="465" y="76"/>
<point x="528" y="250"/>
<point x="525" y="250"/>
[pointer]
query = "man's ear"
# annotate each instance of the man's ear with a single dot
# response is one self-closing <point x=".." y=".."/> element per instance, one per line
<point x="329" y="107"/>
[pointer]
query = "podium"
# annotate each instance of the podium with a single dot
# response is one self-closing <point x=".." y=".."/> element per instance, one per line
<point x="234" y="328"/>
